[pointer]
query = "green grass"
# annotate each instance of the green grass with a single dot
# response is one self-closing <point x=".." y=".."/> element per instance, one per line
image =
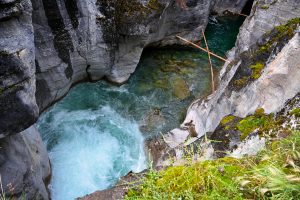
<point x="271" y="175"/>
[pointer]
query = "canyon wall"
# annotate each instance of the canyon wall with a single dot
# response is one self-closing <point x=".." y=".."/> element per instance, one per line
<point x="263" y="71"/>
<point x="46" y="46"/>
<point x="24" y="163"/>
<point x="93" y="39"/>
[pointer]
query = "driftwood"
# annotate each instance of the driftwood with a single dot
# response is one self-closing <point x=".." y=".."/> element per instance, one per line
<point x="242" y="14"/>
<point x="199" y="47"/>
<point x="211" y="66"/>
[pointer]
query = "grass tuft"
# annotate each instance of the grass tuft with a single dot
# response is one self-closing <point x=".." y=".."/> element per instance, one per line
<point x="273" y="174"/>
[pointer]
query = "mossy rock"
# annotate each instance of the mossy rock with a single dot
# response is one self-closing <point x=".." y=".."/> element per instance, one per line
<point x="241" y="82"/>
<point x="180" y="88"/>
<point x="253" y="61"/>
<point x="265" y="7"/>
<point x="232" y="128"/>
<point x="229" y="178"/>
<point x="162" y="83"/>
<point x="154" y="5"/>
<point x="227" y="119"/>
<point x="295" y="112"/>
<point x="256" y="70"/>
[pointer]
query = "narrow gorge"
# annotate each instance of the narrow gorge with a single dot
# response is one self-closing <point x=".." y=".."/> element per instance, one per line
<point x="92" y="91"/>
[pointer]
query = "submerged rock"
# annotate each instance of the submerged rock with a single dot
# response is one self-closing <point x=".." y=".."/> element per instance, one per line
<point x="180" y="88"/>
<point x="152" y="121"/>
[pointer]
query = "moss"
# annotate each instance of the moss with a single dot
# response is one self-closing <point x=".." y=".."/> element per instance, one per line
<point x="154" y="5"/>
<point x="253" y="61"/>
<point x="256" y="70"/>
<point x="295" y="112"/>
<point x="227" y="119"/>
<point x="265" y="7"/>
<point x="259" y="112"/>
<point x="259" y="121"/>
<point x="283" y="31"/>
<point x="241" y="82"/>
<point x="272" y="174"/>
<point x="249" y="124"/>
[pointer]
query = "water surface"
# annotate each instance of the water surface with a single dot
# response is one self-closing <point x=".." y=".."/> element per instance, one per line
<point x="95" y="134"/>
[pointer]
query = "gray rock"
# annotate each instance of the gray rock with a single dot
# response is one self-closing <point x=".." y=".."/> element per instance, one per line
<point x="264" y="16"/>
<point x="78" y="40"/>
<point x="24" y="165"/>
<point x="18" y="108"/>
<point x="278" y="82"/>
<point x="233" y="6"/>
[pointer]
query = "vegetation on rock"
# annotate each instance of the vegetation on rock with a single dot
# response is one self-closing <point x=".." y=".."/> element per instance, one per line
<point x="295" y="112"/>
<point x="273" y="174"/>
<point x="254" y="60"/>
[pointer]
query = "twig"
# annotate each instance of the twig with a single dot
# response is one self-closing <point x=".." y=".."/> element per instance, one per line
<point x="211" y="66"/>
<point x="197" y="46"/>
<point x="242" y="14"/>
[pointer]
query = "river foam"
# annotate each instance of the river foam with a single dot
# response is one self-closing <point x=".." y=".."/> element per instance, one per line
<point x="90" y="149"/>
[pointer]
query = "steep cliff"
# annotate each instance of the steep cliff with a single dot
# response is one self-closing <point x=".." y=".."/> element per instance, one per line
<point x="24" y="163"/>
<point x="46" y="46"/>
<point x="233" y="6"/>
<point x="79" y="40"/>
<point x="18" y="107"/>
<point x="263" y="72"/>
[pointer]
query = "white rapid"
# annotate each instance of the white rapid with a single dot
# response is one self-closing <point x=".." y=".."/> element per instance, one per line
<point x="90" y="149"/>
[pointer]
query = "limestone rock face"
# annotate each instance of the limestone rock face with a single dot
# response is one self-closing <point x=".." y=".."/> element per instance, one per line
<point x="48" y="45"/>
<point x="77" y="40"/>
<point x="24" y="165"/>
<point x="264" y="16"/>
<point x="18" y="108"/>
<point x="233" y="6"/>
<point x="276" y="83"/>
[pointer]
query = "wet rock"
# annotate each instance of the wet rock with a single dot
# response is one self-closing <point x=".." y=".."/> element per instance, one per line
<point x="119" y="191"/>
<point x="180" y="88"/>
<point x="152" y="121"/>
<point x="233" y="6"/>
<point x="78" y="40"/>
<point x="159" y="151"/>
<point x="24" y="165"/>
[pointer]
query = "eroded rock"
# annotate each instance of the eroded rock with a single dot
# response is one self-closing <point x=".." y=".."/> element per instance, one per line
<point x="24" y="165"/>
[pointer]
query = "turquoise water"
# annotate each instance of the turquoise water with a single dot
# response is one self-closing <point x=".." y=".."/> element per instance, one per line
<point x="96" y="133"/>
